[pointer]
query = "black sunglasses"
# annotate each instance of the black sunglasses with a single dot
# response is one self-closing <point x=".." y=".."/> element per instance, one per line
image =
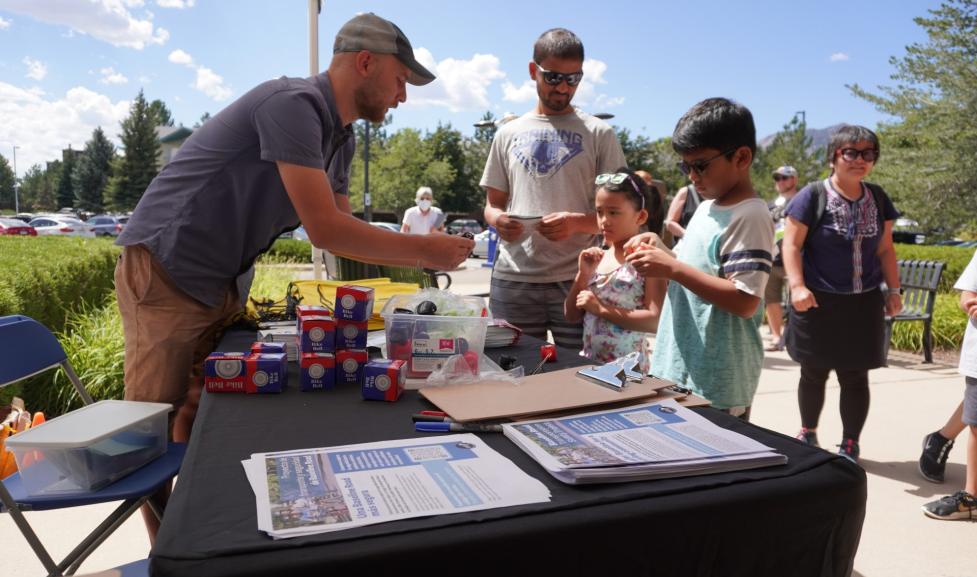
<point x="700" y="166"/>
<point x="779" y="177"/>
<point x="555" y="78"/>
<point x="852" y="154"/>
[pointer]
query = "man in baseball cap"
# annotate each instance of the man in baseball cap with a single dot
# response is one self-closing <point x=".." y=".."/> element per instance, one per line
<point x="277" y="157"/>
<point x="367" y="31"/>
<point x="785" y="180"/>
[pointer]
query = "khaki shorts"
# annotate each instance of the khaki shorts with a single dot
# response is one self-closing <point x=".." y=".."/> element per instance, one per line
<point x="168" y="334"/>
<point x="774" y="293"/>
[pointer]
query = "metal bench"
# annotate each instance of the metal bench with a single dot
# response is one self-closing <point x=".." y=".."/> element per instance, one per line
<point x="919" y="280"/>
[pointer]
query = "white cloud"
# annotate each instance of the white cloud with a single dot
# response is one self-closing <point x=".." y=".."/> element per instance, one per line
<point x="587" y="95"/>
<point x="41" y="127"/>
<point x="179" y="4"/>
<point x="110" y="76"/>
<point x="107" y="20"/>
<point x="526" y="92"/>
<point x="838" y="57"/>
<point x="180" y="57"/>
<point x="461" y="84"/>
<point x="211" y="84"/>
<point x="4" y="24"/>
<point x="144" y="80"/>
<point x="207" y="81"/>
<point x="36" y="70"/>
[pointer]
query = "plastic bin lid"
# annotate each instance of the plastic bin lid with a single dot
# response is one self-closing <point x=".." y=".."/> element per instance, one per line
<point x="87" y="425"/>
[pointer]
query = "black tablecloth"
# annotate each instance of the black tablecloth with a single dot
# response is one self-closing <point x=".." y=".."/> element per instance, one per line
<point x="803" y="518"/>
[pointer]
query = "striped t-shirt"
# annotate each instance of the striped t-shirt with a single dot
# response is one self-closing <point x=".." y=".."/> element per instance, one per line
<point x="715" y="353"/>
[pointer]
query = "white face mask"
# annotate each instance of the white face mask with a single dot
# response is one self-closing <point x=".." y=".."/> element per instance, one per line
<point x="424" y="204"/>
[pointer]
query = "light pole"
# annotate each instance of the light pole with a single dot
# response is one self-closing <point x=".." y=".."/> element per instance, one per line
<point x="16" y="195"/>
<point x="803" y="116"/>
<point x="604" y="115"/>
<point x="367" y="204"/>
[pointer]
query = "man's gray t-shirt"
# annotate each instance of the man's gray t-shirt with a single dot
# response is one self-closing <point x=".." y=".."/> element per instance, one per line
<point x="548" y="164"/>
<point x="221" y="202"/>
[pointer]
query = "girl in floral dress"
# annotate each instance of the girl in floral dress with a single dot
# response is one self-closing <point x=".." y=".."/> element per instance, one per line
<point x="618" y="307"/>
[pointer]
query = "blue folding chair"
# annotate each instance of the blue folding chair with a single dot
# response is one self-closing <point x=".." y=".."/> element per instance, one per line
<point x="27" y="348"/>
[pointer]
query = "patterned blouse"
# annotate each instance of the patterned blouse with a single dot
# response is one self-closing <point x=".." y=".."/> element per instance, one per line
<point x="603" y="341"/>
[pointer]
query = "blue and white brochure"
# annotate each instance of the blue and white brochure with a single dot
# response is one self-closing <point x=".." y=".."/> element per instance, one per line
<point x="334" y="488"/>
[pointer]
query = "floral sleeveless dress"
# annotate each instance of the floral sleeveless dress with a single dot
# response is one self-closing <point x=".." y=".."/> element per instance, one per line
<point x="603" y="341"/>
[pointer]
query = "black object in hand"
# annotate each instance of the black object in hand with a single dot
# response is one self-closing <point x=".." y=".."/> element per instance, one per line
<point x="400" y="311"/>
<point x="426" y="308"/>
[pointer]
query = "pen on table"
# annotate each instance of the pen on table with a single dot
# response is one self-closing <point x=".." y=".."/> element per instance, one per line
<point x="456" y="428"/>
<point x="434" y="413"/>
<point x="421" y="417"/>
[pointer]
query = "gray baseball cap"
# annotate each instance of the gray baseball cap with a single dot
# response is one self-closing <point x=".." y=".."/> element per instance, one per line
<point x="786" y="170"/>
<point x="367" y="31"/>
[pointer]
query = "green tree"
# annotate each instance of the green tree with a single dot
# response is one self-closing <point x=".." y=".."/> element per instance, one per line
<point x="162" y="114"/>
<point x="636" y="148"/>
<point x="47" y="196"/>
<point x="486" y="132"/>
<point x="791" y="146"/>
<point x="138" y="167"/>
<point x="30" y="187"/>
<point x="92" y="172"/>
<point x="7" y="180"/>
<point x="448" y="145"/>
<point x="927" y="162"/>
<point x="66" y="193"/>
<point x="203" y="118"/>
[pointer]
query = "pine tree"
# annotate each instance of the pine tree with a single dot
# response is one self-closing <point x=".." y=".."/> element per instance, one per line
<point x="7" y="180"/>
<point x="163" y="115"/>
<point x="66" y="192"/>
<point x="92" y="172"/>
<point x="139" y="166"/>
<point x="47" y="196"/>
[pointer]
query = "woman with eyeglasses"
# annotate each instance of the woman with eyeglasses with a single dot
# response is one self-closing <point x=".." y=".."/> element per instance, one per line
<point x="838" y="252"/>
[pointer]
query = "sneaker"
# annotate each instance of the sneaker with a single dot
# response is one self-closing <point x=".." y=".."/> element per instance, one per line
<point x="808" y="436"/>
<point x="849" y="450"/>
<point x="773" y="345"/>
<point x="958" y="506"/>
<point x="932" y="463"/>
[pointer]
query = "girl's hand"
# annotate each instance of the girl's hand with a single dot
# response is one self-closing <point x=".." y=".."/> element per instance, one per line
<point x="802" y="299"/>
<point x="893" y="304"/>
<point x="650" y="261"/>
<point x="588" y="260"/>
<point x="588" y="301"/>
<point x="639" y="240"/>
<point x="970" y="307"/>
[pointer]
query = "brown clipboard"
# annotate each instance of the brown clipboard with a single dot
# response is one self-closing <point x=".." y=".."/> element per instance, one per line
<point x="553" y="392"/>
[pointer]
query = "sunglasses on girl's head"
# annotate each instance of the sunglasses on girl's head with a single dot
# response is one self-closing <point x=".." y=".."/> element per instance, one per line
<point x="618" y="178"/>
<point x="700" y="166"/>
<point x="851" y="154"/>
<point x="555" y="78"/>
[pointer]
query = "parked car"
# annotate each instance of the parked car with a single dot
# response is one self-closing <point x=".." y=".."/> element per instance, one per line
<point x="61" y="225"/>
<point x="387" y="226"/>
<point x="906" y="231"/>
<point x="481" y="244"/>
<point x="24" y="216"/>
<point x="13" y="226"/>
<point x="107" y="225"/>
<point x="464" y="225"/>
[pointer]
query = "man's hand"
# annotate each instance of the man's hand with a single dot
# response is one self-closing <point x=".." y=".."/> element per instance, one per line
<point x="588" y="301"/>
<point x="650" y="261"/>
<point x="893" y="304"/>
<point x="555" y="226"/>
<point x="970" y="307"/>
<point x="801" y="298"/>
<point x="587" y="262"/>
<point x="508" y="229"/>
<point x="446" y="251"/>
<point x="639" y="240"/>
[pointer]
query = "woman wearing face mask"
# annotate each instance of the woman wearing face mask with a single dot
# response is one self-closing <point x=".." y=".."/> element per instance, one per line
<point x="423" y="218"/>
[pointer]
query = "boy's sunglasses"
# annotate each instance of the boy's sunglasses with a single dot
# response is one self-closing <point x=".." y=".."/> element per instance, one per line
<point x="618" y="178"/>
<point x="555" y="78"/>
<point x="700" y="166"/>
<point x="852" y="154"/>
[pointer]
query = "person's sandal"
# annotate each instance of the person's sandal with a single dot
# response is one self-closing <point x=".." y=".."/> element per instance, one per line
<point x="773" y="345"/>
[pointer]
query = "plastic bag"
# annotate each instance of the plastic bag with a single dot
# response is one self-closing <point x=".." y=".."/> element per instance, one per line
<point x="448" y="303"/>
<point x="457" y="370"/>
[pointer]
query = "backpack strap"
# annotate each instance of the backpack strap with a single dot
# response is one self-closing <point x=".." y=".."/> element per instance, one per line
<point x="822" y="200"/>
<point x="877" y="195"/>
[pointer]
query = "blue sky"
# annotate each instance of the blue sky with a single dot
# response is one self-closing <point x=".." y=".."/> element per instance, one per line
<point x="67" y="66"/>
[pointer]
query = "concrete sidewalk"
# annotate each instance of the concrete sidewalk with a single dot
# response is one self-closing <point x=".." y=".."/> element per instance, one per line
<point x="909" y="400"/>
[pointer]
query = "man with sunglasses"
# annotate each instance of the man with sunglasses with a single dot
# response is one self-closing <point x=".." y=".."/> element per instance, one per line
<point x="785" y="180"/>
<point x="543" y="165"/>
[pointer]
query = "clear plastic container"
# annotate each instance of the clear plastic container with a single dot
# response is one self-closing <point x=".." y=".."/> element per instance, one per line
<point x="425" y="342"/>
<point x="91" y="447"/>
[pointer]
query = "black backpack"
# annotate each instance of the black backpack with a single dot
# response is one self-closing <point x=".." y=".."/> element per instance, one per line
<point x="877" y="194"/>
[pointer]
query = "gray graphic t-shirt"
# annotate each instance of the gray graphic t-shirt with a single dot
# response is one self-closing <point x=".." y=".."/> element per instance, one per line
<point x="548" y="164"/>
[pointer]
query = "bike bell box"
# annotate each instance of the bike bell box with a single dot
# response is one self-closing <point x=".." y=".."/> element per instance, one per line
<point x="90" y="447"/>
<point x="425" y="342"/>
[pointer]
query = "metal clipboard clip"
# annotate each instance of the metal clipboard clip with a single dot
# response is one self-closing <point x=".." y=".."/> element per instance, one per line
<point x="615" y="374"/>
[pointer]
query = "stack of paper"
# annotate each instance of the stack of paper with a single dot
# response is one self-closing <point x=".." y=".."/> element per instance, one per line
<point x="330" y="489"/>
<point x="650" y="441"/>
<point x="500" y="333"/>
<point x="282" y="332"/>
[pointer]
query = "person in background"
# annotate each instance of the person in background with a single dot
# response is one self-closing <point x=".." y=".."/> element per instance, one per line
<point x="542" y="165"/>
<point x="680" y="211"/>
<point x="708" y="336"/>
<point x="662" y="190"/>
<point x="936" y="446"/>
<point x="838" y="251"/>
<point x="785" y="180"/>
<point x="276" y="157"/>
<point x="423" y="218"/>
<point x="619" y="309"/>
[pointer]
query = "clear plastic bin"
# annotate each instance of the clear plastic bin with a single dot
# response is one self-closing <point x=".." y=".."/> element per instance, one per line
<point x="91" y="447"/>
<point x="425" y="342"/>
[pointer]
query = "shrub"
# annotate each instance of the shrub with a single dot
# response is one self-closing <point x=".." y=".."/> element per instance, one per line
<point x="949" y="324"/>
<point x="956" y="260"/>
<point x="288" y="250"/>
<point x="47" y="277"/>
